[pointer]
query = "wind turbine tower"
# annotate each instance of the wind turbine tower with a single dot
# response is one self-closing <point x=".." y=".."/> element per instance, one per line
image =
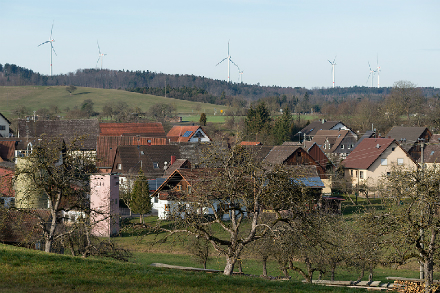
<point x="241" y="75"/>
<point x="371" y="74"/>
<point x="333" y="70"/>
<point x="378" y="70"/>
<point x="101" y="56"/>
<point x="229" y="61"/>
<point x="51" y="48"/>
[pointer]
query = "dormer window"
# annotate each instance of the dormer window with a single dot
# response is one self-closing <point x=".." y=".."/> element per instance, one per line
<point x="155" y="165"/>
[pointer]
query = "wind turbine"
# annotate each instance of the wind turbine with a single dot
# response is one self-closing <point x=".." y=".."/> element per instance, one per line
<point x="241" y="75"/>
<point x="229" y="61"/>
<point x="371" y="74"/>
<point x="378" y="70"/>
<point x="51" y="48"/>
<point x="333" y="70"/>
<point x="101" y="56"/>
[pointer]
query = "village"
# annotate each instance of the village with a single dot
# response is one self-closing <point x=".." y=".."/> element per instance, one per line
<point x="329" y="162"/>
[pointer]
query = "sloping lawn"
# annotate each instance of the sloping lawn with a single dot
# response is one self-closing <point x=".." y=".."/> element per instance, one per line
<point x="25" y="270"/>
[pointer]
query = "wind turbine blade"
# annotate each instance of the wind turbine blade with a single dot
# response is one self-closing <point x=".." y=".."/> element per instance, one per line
<point x="53" y="49"/>
<point x="234" y="64"/>
<point x="228" y="47"/>
<point x="334" y="61"/>
<point x="98" y="61"/>
<point x="51" y="30"/>
<point x="99" y="49"/>
<point x="330" y="62"/>
<point x="43" y="43"/>
<point x="221" y="61"/>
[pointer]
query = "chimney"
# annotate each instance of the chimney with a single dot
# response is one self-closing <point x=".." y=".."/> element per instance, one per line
<point x="173" y="159"/>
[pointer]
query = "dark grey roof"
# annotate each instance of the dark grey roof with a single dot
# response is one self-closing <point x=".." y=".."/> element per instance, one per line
<point x="280" y="153"/>
<point x="431" y="154"/>
<point x="133" y="157"/>
<point x="407" y="136"/>
<point x="315" y="126"/>
<point x="367" y="134"/>
<point x="66" y="129"/>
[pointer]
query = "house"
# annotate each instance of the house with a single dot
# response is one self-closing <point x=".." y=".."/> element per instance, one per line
<point x="335" y="143"/>
<point x="373" y="158"/>
<point x="308" y="132"/>
<point x="107" y="146"/>
<point x="176" y="164"/>
<point x="4" y="126"/>
<point x="315" y="152"/>
<point x="144" y="129"/>
<point x="187" y="134"/>
<point x="181" y="182"/>
<point x="153" y="159"/>
<point x="104" y="204"/>
<point x="292" y="155"/>
<point x="409" y="138"/>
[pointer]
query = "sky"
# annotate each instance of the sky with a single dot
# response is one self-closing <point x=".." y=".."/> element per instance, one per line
<point x="282" y="43"/>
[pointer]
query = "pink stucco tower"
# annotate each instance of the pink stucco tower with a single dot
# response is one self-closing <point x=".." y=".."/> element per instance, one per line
<point x="104" y="203"/>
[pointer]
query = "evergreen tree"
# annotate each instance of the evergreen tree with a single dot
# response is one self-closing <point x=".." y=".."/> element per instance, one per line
<point x="283" y="127"/>
<point x="140" y="202"/>
<point x="258" y="120"/>
<point x="203" y="119"/>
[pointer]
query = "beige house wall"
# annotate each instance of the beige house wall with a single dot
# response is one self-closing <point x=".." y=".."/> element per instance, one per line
<point x="394" y="156"/>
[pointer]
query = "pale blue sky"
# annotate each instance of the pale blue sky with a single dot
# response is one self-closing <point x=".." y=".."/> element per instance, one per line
<point x="284" y="43"/>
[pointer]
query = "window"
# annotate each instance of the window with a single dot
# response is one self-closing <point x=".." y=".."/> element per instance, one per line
<point x="392" y="149"/>
<point x="142" y="153"/>
<point x="351" y="172"/>
<point x="361" y="174"/>
<point x="388" y="173"/>
<point x="188" y="189"/>
<point x="400" y="162"/>
<point x="356" y="173"/>
<point x="179" y="187"/>
<point x="167" y="207"/>
<point x="342" y="146"/>
<point x="156" y="199"/>
<point x="383" y="162"/>
<point x="155" y="165"/>
<point x="2" y="127"/>
<point x="119" y="166"/>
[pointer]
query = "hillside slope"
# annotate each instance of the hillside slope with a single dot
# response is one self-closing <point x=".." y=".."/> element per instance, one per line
<point x="37" y="97"/>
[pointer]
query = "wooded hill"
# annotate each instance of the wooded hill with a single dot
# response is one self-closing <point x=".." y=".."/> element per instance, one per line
<point x="186" y="87"/>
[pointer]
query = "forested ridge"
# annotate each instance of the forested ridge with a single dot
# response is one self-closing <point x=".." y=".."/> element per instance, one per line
<point x="195" y="88"/>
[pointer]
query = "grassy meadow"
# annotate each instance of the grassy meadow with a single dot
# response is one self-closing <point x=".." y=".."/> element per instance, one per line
<point x="37" y="97"/>
<point x="24" y="270"/>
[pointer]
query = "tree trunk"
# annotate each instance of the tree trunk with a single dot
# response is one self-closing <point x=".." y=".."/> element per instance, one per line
<point x="265" y="266"/>
<point x="230" y="263"/>
<point x="204" y="264"/>
<point x="240" y="269"/>
<point x="361" y="276"/>
<point x="141" y="218"/>
<point x="48" y="245"/>
<point x="332" y="276"/>
<point x="309" y="271"/>
<point x="370" y="276"/>
<point x="429" y="271"/>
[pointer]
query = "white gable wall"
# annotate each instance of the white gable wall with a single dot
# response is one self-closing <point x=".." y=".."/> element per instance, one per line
<point x="4" y="127"/>
<point x="199" y="134"/>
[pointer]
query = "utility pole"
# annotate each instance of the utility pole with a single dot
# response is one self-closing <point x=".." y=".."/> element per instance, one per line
<point x="422" y="265"/>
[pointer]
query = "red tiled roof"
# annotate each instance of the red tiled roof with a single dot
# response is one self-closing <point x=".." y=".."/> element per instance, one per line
<point x="367" y="152"/>
<point x="150" y="129"/>
<point x="6" y="187"/>
<point x="175" y="134"/>
<point x="250" y="143"/>
<point x="107" y="146"/>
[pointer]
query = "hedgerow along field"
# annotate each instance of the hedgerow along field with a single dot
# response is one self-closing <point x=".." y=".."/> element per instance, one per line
<point x="37" y="97"/>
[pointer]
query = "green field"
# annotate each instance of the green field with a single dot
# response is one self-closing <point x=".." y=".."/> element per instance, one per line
<point x="37" y="97"/>
<point x="24" y="270"/>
